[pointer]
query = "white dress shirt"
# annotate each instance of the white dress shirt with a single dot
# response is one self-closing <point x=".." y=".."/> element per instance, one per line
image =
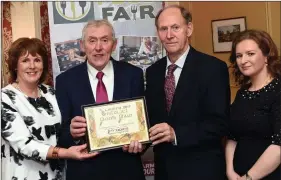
<point x="179" y="62"/>
<point x="108" y="79"/>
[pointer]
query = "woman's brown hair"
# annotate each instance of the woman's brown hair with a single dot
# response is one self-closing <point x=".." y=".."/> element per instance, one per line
<point x="268" y="48"/>
<point x="22" y="46"/>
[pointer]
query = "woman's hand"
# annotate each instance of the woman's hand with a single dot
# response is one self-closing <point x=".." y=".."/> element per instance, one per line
<point x="232" y="175"/>
<point x="242" y="178"/>
<point x="79" y="152"/>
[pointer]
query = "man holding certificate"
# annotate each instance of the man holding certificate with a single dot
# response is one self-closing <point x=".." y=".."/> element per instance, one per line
<point x="187" y="96"/>
<point x="99" y="81"/>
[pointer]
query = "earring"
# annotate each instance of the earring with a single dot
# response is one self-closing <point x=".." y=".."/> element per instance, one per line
<point x="266" y="60"/>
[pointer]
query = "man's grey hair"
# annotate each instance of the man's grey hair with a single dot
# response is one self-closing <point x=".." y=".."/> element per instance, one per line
<point x="98" y="23"/>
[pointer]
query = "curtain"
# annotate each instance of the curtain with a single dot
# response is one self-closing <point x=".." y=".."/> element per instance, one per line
<point x="7" y="40"/>
<point x="45" y="34"/>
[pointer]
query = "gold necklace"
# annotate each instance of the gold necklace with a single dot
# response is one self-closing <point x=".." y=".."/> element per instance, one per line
<point x="266" y="82"/>
<point x="16" y="85"/>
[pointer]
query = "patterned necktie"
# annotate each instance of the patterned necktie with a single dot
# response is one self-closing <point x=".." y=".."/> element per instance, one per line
<point x="101" y="90"/>
<point x="170" y="86"/>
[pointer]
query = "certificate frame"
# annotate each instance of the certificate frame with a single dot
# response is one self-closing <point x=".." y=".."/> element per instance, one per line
<point x="113" y="124"/>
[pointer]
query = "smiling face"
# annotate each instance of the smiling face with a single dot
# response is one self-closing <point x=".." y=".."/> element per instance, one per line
<point x="27" y="53"/>
<point x="250" y="58"/>
<point x="29" y="69"/>
<point x="98" y="45"/>
<point x="174" y="32"/>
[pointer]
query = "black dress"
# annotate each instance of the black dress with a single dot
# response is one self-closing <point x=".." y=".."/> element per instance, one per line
<point x="255" y="124"/>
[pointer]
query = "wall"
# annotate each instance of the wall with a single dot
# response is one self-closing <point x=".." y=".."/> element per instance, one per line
<point x="25" y="19"/>
<point x="274" y="22"/>
<point x="259" y="15"/>
<point x="167" y="3"/>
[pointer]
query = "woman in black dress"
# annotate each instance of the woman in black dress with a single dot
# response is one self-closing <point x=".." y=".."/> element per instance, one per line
<point x="253" y="146"/>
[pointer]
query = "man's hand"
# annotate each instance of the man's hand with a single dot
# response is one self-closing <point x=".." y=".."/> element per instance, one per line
<point x="134" y="147"/>
<point x="162" y="132"/>
<point x="78" y="127"/>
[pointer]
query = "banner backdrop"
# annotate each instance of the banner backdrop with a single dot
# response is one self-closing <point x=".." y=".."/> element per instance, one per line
<point x="133" y="23"/>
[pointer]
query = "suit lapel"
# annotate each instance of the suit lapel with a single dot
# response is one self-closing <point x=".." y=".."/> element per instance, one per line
<point x="185" y="80"/>
<point x="86" y="88"/>
<point x="160" y="82"/>
<point x="119" y="80"/>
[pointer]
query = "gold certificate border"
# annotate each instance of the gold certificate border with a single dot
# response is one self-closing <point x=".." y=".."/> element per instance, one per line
<point x="116" y="141"/>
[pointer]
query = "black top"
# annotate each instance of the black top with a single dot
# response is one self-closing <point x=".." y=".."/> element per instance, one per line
<point x="255" y="124"/>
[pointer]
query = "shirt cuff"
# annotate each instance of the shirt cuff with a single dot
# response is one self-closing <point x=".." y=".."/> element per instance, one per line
<point x="175" y="141"/>
<point x="43" y="151"/>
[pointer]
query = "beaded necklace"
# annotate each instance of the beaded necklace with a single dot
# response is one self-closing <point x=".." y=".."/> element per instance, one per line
<point x="266" y="82"/>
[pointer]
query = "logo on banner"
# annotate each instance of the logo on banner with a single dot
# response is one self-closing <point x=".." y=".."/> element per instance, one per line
<point x="126" y="11"/>
<point x="72" y="11"/>
<point x="148" y="168"/>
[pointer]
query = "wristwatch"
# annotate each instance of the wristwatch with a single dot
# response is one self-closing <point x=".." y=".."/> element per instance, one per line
<point x="248" y="177"/>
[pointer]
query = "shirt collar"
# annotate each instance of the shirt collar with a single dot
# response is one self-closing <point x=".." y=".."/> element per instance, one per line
<point x="180" y="62"/>
<point x="106" y="70"/>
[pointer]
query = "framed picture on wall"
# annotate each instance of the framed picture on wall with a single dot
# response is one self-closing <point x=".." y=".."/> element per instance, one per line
<point x="223" y="32"/>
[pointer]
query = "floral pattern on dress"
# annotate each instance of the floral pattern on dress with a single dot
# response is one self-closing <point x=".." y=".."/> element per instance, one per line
<point x="28" y="130"/>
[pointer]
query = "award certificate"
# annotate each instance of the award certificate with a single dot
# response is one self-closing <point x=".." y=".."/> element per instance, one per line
<point x="114" y="124"/>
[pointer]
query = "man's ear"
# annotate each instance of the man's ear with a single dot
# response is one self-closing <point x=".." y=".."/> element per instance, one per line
<point x="82" y="47"/>
<point x="189" y="29"/>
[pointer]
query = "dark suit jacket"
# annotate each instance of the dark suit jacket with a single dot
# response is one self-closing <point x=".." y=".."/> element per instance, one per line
<point x="73" y="90"/>
<point x="199" y="115"/>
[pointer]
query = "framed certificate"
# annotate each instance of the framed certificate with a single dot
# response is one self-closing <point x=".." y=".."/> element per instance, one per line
<point x="114" y="124"/>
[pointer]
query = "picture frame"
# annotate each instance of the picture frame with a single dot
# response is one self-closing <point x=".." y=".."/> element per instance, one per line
<point x="223" y="32"/>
